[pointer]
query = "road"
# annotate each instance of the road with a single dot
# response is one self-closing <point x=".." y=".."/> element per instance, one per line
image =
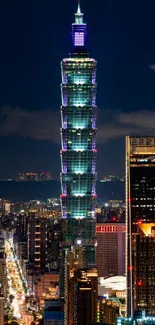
<point x="16" y="295"/>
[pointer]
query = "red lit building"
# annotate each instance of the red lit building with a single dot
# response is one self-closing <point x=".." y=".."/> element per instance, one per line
<point x="110" y="251"/>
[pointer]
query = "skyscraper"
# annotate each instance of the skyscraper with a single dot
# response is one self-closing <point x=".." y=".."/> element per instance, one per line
<point x="37" y="242"/>
<point x="83" y="296"/>
<point x="140" y="210"/>
<point x="110" y="250"/>
<point x="81" y="290"/>
<point x="78" y="154"/>
<point x="144" y="277"/>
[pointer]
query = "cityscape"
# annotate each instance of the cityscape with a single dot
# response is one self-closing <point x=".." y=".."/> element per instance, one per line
<point x="78" y="250"/>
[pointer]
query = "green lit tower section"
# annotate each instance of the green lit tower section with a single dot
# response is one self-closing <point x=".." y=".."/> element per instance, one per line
<point x="78" y="140"/>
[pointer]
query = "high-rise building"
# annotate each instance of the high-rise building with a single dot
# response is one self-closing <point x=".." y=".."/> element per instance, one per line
<point x="37" y="242"/>
<point x="110" y="250"/>
<point x="144" y="275"/>
<point x="140" y="209"/>
<point x="53" y="244"/>
<point x="43" y="241"/>
<point x="83" y="296"/>
<point x="78" y="154"/>
<point x="80" y="290"/>
<point x="21" y="224"/>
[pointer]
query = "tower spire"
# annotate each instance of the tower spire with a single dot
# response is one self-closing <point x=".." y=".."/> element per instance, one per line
<point x="79" y="8"/>
<point x="79" y="28"/>
<point x="79" y="15"/>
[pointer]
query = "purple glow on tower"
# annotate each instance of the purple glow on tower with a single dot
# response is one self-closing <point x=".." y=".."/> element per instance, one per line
<point x="79" y="39"/>
<point x="79" y="29"/>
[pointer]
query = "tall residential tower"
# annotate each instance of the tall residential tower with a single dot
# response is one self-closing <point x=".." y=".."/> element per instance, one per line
<point x="78" y="139"/>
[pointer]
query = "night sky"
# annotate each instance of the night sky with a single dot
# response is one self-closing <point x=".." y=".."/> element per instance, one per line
<point x="34" y="37"/>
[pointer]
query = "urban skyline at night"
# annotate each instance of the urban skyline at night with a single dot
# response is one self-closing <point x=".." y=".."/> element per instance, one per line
<point x="77" y="185"/>
<point x="30" y="80"/>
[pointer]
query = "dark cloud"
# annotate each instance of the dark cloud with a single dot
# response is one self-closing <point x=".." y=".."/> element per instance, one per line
<point x="122" y="124"/>
<point x="139" y="119"/>
<point x="36" y="124"/>
<point x="45" y="124"/>
<point x="152" y="67"/>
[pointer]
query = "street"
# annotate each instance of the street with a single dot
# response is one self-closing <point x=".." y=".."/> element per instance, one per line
<point x="16" y="290"/>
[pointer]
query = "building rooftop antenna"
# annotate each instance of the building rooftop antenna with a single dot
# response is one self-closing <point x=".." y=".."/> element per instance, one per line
<point x="79" y="8"/>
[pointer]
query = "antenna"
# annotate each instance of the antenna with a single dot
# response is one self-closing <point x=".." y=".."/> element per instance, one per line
<point x="79" y="8"/>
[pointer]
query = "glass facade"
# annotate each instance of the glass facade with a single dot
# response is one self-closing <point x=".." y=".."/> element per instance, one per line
<point x="78" y="152"/>
<point x="78" y="135"/>
<point x="140" y="213"/>
<point x="144" y="277"/>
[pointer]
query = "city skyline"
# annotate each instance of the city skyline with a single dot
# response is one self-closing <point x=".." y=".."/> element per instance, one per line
<point x="30" y="80"/>
<point x="81" y="259"/>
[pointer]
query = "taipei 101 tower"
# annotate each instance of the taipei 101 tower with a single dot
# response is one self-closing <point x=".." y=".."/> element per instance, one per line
<point x="78" y="152"/>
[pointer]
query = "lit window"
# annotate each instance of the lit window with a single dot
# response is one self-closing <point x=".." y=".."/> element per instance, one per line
<point x="79" y="39"/>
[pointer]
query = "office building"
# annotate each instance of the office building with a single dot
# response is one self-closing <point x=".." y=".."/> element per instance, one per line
<point x="82" y="306"/>
<point x="78" y="154"/>
<point x="80" y="289"/>
<point x="140" y="208"/>
<point x="110" y="250"/>
<point x="83" y="296"/>
<point x="144" y="265"/>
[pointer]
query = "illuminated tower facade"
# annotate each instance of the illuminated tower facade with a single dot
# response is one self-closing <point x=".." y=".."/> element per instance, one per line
<point x="78" y="139"/>
<point x="140" y="220"/>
